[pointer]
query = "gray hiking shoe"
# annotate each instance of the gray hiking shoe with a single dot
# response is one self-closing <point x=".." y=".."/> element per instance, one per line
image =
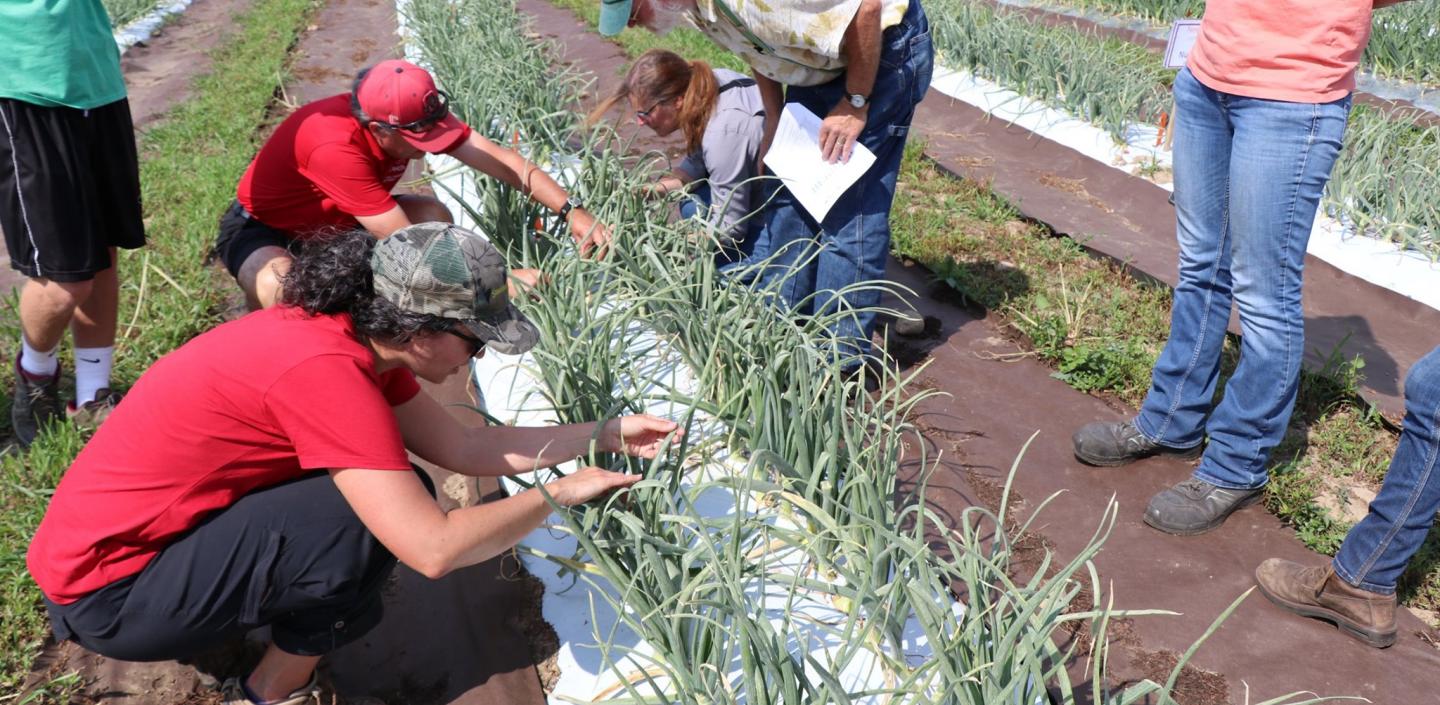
<point x="36" y="403"/>
<point x="1196" y="506"/>
<point x="1111" y="443"/>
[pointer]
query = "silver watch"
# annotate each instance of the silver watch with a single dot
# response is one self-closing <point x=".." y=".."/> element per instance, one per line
<point x="857" y="100"/>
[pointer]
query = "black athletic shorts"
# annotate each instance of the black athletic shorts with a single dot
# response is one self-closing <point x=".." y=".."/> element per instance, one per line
<point x="293" y="556"/>
<point x="241" y="235"/>
<point x="69" y="188"/>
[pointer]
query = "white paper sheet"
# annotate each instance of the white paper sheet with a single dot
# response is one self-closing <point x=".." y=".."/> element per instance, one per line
<point x="794" y="156"/>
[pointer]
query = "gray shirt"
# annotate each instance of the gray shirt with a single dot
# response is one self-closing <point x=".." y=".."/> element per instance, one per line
<point x="727" y="155"/>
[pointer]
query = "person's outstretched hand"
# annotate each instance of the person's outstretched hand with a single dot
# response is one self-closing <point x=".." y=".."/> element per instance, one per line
<point x="592" y="235"/>
<point x="523" y="282"/>
<point x="586" y="484"/>
<point x="641" y="435"/>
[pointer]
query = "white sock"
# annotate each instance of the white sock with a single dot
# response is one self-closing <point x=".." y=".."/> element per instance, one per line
<point x="92" y="371"/>
<point x="39" y="363"/>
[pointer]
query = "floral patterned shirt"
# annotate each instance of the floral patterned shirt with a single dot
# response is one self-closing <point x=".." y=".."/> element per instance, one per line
<point x="794" y="42"/>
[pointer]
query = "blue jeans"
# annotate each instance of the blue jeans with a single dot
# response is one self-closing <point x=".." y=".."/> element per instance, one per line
<point x="1248" y="178"/>
<point x="1376" y="550"/>
<point x="814" y="260"/>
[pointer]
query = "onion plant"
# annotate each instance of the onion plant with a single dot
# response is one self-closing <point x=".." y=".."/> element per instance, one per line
<point x="1386" y="182"/>
<point x="1405" y="43"/>
<point x="763" y="560"/>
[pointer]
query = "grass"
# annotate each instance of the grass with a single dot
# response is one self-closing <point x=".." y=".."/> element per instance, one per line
<point x="189" y="165"/>
<point x="1099" y="326"/>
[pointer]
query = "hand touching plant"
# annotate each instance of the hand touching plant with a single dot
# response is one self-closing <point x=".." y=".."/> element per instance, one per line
<point x="587" y="484"/>
<point x="590" y="234"/>
<point x="641" y="435"/>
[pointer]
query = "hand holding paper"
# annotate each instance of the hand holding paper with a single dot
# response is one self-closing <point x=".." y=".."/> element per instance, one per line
<point x="796" y="158"/>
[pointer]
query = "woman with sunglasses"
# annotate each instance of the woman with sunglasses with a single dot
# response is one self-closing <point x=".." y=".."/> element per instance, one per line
<point x="720" y="114"/>
<point x="258" y="474"/>
<point x="332" y="164"/>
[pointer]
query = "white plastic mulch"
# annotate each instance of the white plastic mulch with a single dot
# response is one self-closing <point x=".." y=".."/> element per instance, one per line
<point x="143" y="28"/>
<point x="582" y="614"/>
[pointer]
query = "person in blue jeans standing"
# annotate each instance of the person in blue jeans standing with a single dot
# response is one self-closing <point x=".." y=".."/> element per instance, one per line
<point x="1260" y="116"/>
<point x="827" y="56"/>
<point x="1356" y="590"/>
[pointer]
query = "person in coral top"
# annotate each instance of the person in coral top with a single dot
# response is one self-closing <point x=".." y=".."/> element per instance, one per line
<point x="1260" y="111"/>
<point x="258" y="475"/>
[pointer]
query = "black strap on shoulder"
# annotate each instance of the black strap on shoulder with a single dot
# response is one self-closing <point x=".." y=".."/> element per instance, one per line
<point x="737" y="83"/>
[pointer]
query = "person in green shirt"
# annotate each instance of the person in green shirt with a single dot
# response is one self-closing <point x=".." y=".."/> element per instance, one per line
<point x="69" y="197"/>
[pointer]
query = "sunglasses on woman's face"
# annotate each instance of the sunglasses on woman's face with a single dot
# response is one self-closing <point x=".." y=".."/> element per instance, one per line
<point x="437" y="106"/>
<point x="476" y="344"/>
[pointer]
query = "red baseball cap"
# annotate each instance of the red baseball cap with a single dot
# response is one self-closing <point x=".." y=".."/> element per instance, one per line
<point x="403" y="96"/>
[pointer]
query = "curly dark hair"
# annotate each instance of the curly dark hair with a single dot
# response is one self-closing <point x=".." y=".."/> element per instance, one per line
<point x="332" y="275"/>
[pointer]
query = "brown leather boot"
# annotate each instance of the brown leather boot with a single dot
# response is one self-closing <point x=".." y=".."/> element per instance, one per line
<point x="1319" y="592"/>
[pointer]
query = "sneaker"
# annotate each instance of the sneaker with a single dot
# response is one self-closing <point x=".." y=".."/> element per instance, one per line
<point x="1112" y="443"/>
<point x="231" y="693"/>
<point x="94" y="412"/>
<point x="1196" y="506"/>
<point x="1319" y="592"/>
<point x="36" y="403"/>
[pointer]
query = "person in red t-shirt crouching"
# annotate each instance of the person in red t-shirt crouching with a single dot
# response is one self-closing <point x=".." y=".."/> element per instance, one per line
<point x="333" y="162"/>
<point x="258" y="474"/>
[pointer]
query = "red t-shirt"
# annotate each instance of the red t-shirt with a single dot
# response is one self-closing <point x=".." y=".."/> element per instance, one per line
<point x="321" y="169"/>
<point x="250" y="404"/>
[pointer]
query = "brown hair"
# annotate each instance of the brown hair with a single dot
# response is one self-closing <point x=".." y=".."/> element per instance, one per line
<point x="660" y="75"/>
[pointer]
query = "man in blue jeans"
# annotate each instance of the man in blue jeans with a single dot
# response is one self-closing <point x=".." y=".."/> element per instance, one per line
<point x="1261" y="111"/>
<point x="825" y="56"/>
<point x="1356" y="590"/>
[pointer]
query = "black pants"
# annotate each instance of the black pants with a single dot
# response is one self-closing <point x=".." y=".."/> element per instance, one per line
<point x="293" y="556"/>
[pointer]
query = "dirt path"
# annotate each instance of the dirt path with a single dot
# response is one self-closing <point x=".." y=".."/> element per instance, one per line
<point x="461" y="639"/>
<point x="994" y="406"/>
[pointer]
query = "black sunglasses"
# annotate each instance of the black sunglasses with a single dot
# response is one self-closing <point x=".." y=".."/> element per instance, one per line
<point x="437" y="106"/>
<point x="476" y="344"/>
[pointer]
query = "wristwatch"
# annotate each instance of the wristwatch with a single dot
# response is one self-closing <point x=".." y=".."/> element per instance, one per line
<point x="857" y="100"/>
<point x="571" y="203"/>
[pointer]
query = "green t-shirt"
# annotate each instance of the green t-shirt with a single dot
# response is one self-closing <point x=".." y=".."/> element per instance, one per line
<point x="59" y="53"/>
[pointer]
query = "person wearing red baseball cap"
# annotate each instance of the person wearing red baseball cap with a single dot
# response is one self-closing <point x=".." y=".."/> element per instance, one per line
<point x="332" y="163"/>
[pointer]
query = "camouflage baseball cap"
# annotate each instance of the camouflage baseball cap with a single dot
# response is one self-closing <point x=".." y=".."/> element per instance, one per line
<point x="448" y="271"/>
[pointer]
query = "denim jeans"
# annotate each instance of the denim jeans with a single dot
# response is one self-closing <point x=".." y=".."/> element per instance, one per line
<point x="811" y="261"/>
<point x="1248" y="178"/>
<point x="1376" y="550"/>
